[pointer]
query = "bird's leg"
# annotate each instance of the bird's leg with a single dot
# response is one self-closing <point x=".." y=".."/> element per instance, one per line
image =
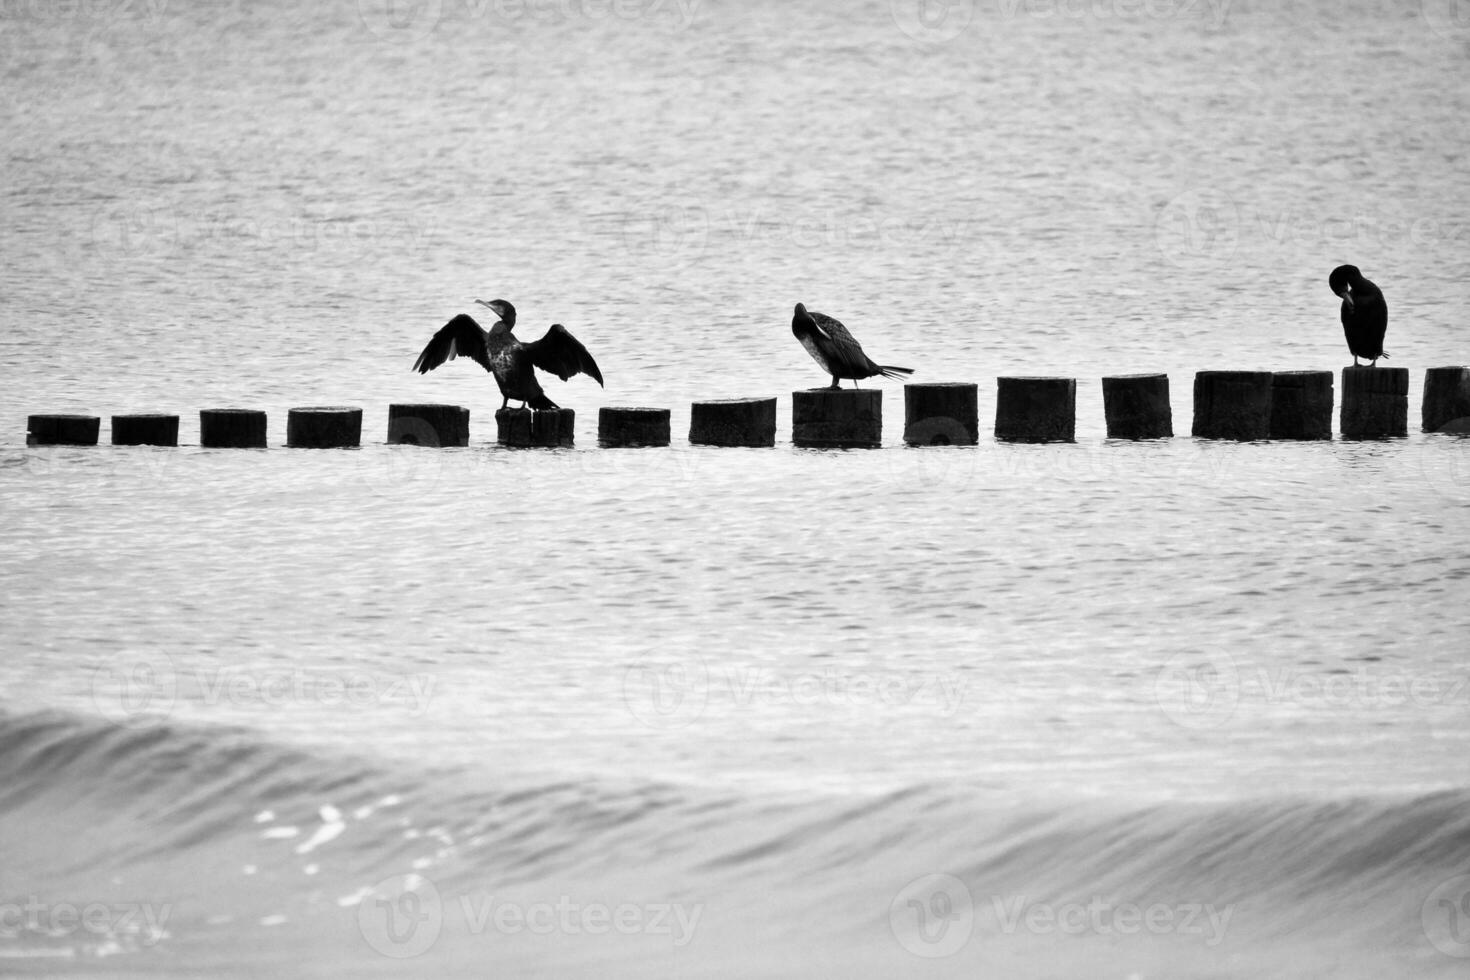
<point x="504" y="403"/>
<point x="835" y="383"/>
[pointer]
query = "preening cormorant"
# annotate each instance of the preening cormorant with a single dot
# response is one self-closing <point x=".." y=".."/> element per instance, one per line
<point x="832" y="347"/>
<point x="1364" y="313"/>
<point x="512" y="362"/>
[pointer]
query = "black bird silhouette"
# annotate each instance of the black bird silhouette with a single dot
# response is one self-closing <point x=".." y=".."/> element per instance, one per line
<point x="835" y="350"/>
<point x="512" y="362"/>
<point x="1364" y="313"/>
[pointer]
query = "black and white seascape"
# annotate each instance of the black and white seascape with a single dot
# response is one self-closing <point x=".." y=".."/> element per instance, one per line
<point x="1145" y="709"/>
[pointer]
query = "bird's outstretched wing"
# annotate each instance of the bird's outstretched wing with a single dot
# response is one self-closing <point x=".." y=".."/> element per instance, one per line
<point x="843" y="352"/>
<point x="562" y="354"/>
<point x="460" y="337"/>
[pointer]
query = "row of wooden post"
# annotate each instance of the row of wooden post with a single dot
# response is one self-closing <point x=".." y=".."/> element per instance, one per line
<point x="1241" y="405"/>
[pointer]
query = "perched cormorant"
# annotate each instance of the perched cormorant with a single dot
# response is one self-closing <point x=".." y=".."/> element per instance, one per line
<point x="832" y="347"/>
<point x="1364" y="313"/>
<point x="499" y="352"/>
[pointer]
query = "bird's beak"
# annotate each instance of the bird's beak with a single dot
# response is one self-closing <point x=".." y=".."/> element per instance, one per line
<point x="1347" y="296"/>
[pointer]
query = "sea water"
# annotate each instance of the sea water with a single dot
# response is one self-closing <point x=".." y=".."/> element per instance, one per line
<point x="1174" y="709"/>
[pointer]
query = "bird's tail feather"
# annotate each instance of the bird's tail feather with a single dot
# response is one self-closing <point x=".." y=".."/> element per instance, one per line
<point x="896" y="373"/>
<point x="541" y="403"/>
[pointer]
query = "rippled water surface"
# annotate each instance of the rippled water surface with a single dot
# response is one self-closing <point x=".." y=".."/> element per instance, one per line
<point x="785" y="686"/>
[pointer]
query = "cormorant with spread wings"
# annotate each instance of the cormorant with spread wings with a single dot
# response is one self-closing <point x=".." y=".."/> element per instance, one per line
<point x="512" y="362"/>
<point x="837" y="351"/>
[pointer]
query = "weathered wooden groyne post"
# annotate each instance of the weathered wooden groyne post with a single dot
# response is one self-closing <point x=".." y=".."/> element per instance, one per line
<point x="733" y="422"/>
<point x="1446" y="406"/>
<point x="1137" y="406"/>
<point x="1375" y="402"/>
<point x="232" y="428"/>
<point x="1232" y="405"/>
<point x="837" y="418"/>
<point x="145" y="430"/>
<point x="1301" y="405"/>
<point x="428" y="425"/>
<point x="943" y="413"/>
<point x="1036" y="409"/>
<point x="324" y="428"/>
<point x="632" y="427"/>
<point x="521" y="428"/>
<point x="62" y="430"/>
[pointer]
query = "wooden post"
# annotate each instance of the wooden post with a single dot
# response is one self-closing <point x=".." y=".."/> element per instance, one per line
<point x="145" y="430"/>
<point x="324" y="428"/>
<point x="1375" y="402"/>
<point x="733" y="422"/>
<point x="1137" y="406"/>
<point x="617" y="427"/>
<point x="428" y="425"/>
<point x="62" y="430"/>
<point x="837" y="418"/>
<point x="1232" y="405"/>
<point x="232" y="428"/>
<point x="521" y="428"/>
<point x="1446" y="405"/>
<point x="941" y="414"/>
<point x="1301" y="405"/>
<point x="1036" y="409"/>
